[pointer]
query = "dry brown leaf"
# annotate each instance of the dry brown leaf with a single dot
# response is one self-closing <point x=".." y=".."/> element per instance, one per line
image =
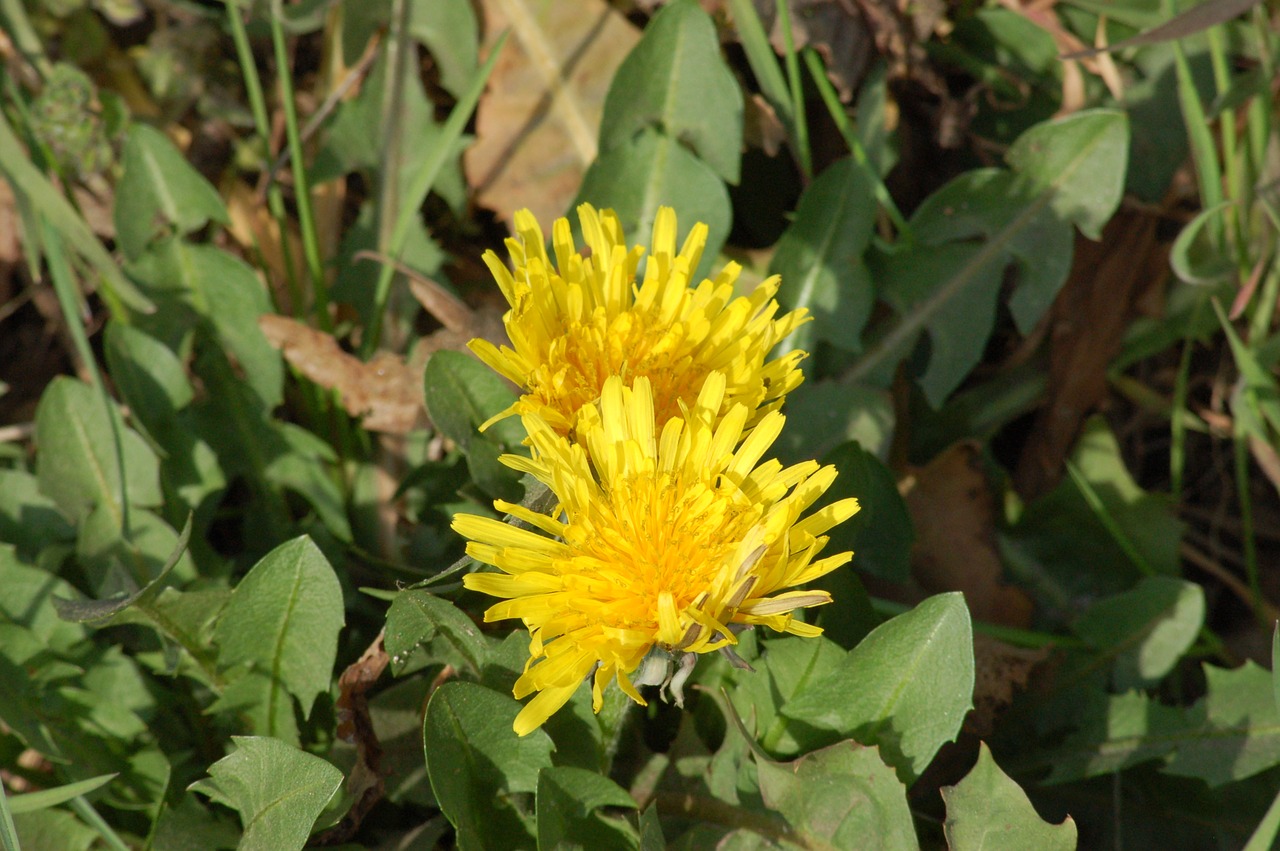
<point x="386" y="391"/>
<point x="761" y="126"/>
<point x="253" y="227"/>
<point x="999" y="668"/>
<point x="1088" y="319"/>
<point x="955" y="550"/>
<point x="536" y="126"/>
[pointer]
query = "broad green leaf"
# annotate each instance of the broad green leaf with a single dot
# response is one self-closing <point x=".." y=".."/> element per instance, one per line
<point x="102" y="611"/>
<point x="567" y="809"/>
<point x="1080" y="161"/>
<point x="843" y="795"/>
<point x="651" y="170"/>
<point x="28" y="519"/>
<point x="881" y="533"/>
<point x="283" y="620"/>
<point x="19" y="699"/>
<point x="115" y="564"/>
<point x="820" y="259"/>
<point x="29" y="600"/>
<point x="32" y="801"/>
<point x="1235" y="728"/>
<point x="987" y="811"/>
<point x="1148" y="628"/>
<point x="1122" y="731"/>
<point x="77" y="463"/>
<point x="203" y="286"/>
<point x="278" y="790"/>
<point x="476" y="763"/>
<point x="787" y="667"/>
<point x="822" y="415"/>
<point x="675" y="81"/>
<point x="461" y="394"/>
<point x="188" y="825"/>
<point x="651" y="838"/>
<point x="159" y="193"/>
<point x="905" y="688"/>
<point x="1064" y="172"/>
<point x="418" y="617"/>
<point x="53" y="830"/>
<point x="149" y="376"/>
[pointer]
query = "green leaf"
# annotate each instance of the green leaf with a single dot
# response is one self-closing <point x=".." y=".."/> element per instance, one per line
<point x="820" y="259"/>
<point x="905" y="688"/>
<point x="567" y="804"/>
<point x="461" y="394"/>
<point x="418" y="617"/>
<point x="28" y="600"/>
<point x="988" y="811"/>
<point x="28" y="519"/>
<point x="1235" y="728"/>
<point x="53" y="830"/>
<point x="159" y="193"/>
<point x="283" y="620"/>
<point x="650" y="170"/>
<point x="149" y="376"/>
<point x="77" y="465"/>
<point x="1080" y="161"/>
<point x="881" y="533"/>
<point x="843" y="795"/>
<point x="822" y="415"/>
<point x="651" y="838"/>
<point x="278" y="790"/>
<point x="225" y="297"/>
<point x="787" y="667"/>
<point x="1121" y="731"/>
<point x="476" y="763"/>
<point x="1148" y="628"/>
<point x="1068" y="171"/>
<point x="101" y="611"/>
<point x="32" y="801"/>
<point x="676" y="82"/>
<point x="450" y="32"/>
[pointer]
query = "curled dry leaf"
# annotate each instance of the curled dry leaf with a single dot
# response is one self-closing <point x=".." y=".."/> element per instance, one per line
<point x="952" y="509"/>
<point x="386" y="391"/>
<point x="999" y="669"/>
<point x="536" y="127"/>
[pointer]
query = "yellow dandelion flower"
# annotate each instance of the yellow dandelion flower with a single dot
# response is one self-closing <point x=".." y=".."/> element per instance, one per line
<point x="670" y="537"/>
<point x="577" y="321"/>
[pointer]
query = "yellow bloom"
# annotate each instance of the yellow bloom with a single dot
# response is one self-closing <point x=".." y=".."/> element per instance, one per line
<point x="663" y="537"/>
<point x="576" y="322"/>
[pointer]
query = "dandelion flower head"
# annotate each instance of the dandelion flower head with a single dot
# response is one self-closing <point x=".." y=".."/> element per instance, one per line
<point x="664" y="536"/>
<point x="576" y="321"/>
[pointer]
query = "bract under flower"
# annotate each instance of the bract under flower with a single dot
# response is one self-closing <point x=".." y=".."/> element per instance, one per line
<point x="577" y="321"/>
<point x="664" y="537"/>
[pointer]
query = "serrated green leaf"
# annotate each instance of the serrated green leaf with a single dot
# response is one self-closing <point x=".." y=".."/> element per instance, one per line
<point x="28" y="600"/>
<point x="1122" y="731"/>
<point x="283" y="619"/>
<point x="28" y="519"/>
<point x="77" y="465"/>
<point x="417" y="617"/>
<point x="476" y="763"/>
<point x="987" y="811"/>
<point x="1068" y="171"/>
<point x="651" y="838"/>
<point x="462" y="393"/>
<point x="843" y="795"/>
<point x="159" y="193"/>
<point x="567" y="804"/>
<point x="820" y="259"/>
<point x="676" y="82"/>
<point x="1235" y="728"/>
<point x="451" y="33"/>
<point x="278" y="790"/>
<point x="1148" y="628"/>
<point x="650" y="170"/>
<point x="905" y="688"/>
<point x="786" y="668"/>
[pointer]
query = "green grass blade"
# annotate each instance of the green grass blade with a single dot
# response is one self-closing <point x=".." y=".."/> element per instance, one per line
<point x="763" y="62"/>
<point x="1264" y="836"/>
<point x="8" y="832"/>
<point x="796" y="84"/>
<point x="26" y="179"/>
<point x="421" y="185"/>
<point x="90" y="816"/>
<point x="32" y="801"/>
